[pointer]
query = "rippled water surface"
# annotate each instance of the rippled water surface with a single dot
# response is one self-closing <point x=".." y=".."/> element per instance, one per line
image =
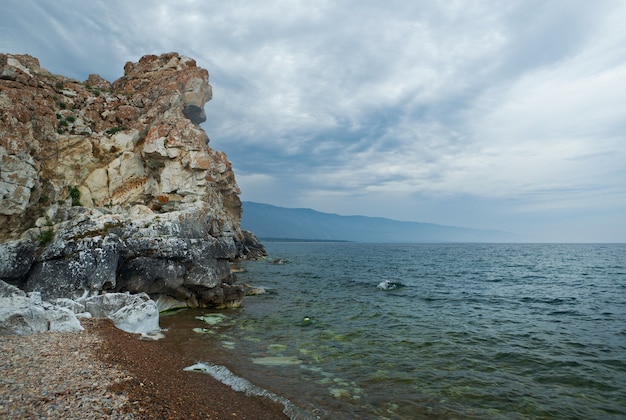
<point x="350" y="330"/>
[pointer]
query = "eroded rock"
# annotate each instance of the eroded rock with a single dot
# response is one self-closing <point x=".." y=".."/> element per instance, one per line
<point x="135" y="313"/>
<point x="111" y="187"/>
<point x="133" y="141"/>
<point x="24" y="314"/>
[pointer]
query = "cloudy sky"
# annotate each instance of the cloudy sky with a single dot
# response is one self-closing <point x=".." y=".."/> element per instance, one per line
<point x="506" y="114"/>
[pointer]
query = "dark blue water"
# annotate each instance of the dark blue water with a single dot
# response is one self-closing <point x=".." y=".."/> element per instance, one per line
<point x="352" y="330"/>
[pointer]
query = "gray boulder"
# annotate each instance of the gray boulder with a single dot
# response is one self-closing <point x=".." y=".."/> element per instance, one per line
<point x="61" y="319"/>
<point x="16" y="258"/>
<point x="24" y="314"/>
<point x="131" y="313"/>
<point x="72" y="305"/>
<point x="171" y="255"/>
<point x="67" y="268"/>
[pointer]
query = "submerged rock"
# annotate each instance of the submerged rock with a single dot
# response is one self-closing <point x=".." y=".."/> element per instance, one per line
<point x="277" y="361"/>
<point x="212" y="319"/>
<point x="254" y="290"/>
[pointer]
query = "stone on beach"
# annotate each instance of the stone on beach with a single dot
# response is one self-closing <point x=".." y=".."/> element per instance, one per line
<point x="131" y="313"/>
<point x="23" y="314"/>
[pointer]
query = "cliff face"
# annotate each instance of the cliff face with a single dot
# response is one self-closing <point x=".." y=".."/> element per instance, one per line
<point x="112" y="186"/>
<point x="133" y="141"/>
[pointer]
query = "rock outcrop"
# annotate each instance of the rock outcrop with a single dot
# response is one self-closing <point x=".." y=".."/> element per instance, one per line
<point x="24" y="314"/>
<point x="112" y="187"/>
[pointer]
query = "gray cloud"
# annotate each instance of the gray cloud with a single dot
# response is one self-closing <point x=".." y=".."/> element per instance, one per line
<point x="454" y="111"/>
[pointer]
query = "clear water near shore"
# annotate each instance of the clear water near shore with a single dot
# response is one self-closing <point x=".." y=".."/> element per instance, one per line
<point x="351" y="330"/>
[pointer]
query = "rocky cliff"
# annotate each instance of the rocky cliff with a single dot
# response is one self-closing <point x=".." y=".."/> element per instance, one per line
<point x="112" y="187"/>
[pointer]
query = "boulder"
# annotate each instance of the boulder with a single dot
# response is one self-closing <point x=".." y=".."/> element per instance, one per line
<point x="72" y="305"/>
<point x="253" y="249"/>
<point x="61" y="319"/>
<point x="16" y="259"/>
<point x="22" y="314"/>
<point x="171" y="254"/>
<point x="131" y="313"/>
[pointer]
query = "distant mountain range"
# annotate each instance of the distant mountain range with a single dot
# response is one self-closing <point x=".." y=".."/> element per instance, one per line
<point x="272" y="222"/>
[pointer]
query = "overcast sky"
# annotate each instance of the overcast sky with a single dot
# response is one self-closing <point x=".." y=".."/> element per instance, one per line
<point x="506" y="115"/>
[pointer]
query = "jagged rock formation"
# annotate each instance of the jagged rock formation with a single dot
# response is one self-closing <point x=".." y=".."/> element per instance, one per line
<point x="112" y="186"/>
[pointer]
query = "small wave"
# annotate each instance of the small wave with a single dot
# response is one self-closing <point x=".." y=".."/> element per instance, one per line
<point x="388" y="285"/>
<point x="225" y="376"/>
<point x="549" y="301"/>
<point x="570" y="312"/>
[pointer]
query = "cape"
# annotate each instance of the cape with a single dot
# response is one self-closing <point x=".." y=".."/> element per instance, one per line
<point x="113" y="188"/>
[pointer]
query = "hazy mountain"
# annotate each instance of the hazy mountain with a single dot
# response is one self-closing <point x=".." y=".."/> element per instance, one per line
<point x="268" y="221"/>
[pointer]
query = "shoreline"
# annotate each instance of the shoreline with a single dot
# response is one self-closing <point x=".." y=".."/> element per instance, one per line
<point x="109" y="373"/>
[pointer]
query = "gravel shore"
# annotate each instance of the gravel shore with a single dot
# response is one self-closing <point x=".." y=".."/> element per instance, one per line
<point x="105" y="373"/>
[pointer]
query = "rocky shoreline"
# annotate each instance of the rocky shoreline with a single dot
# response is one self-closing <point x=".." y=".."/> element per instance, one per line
<point x="106" y="373"/>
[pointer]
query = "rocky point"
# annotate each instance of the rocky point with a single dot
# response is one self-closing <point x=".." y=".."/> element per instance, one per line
<point x="113" y="188"/>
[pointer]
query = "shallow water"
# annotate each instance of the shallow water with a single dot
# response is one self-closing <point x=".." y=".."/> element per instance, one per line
<point x="352" y="330"/>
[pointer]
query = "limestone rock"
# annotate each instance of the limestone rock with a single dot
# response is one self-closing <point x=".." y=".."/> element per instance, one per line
<point x="131" y="313"/>
<point x="73" y="266"/>
<point x="170" y="254"/>
<point x="133" y="141"/>
<point x="112" y="187"/>
<point x="16" y="258"/>
<point x="19" y="316"/>
<point x="254" y="249"/>
<point x="24" y="314"/>
<point x="72" y="305"/>
<point x="62" y="319"/>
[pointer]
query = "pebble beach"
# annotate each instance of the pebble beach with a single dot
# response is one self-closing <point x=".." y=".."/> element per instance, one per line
<point x="106" y="373"/>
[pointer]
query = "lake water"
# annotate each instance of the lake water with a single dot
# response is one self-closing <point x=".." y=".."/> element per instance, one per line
<point x="396" y="331"/>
